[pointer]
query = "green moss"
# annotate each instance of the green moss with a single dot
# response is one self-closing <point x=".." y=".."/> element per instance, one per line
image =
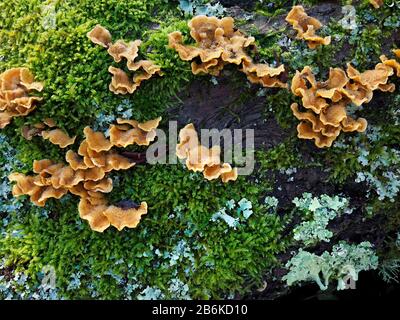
<point x="285" y="155"/>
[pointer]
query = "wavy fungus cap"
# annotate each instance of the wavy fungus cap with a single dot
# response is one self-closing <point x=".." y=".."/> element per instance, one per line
<point x="121" y="82"/>
<point x="85" y="176"/>
<point x="27" y="185"/>
<point x="264" y="74"/>
<point x="120" y="49"/>
<point x="121" y="218"/>
<point x="148" y="125"/>
<point x="372" y="79"/>
<point x="306" y="27"/>
<point x="58" y="137"/>
<point x="325" y="127"/>
<point x="353" y="85"/>
<point x="203" y="29"/>
<point x="115" y="161"/>
<point x="104" y="185"/>
<point x="305" y="86"/>
<point x="376" y="3"/>
<point x="188" y="139"/>
<point x="19" y="78"/>
<point x="224" y="171"/>
<point x="332" y="88"/>
<point x="325" y="103"/>
<point x="201" y="158"/>
<point x="218" y="44"/>
<point x="67" y="177"/>
<point x="96" y="140"/>
<point x="93" y="213"/>
<point x="100" y="215"/>
<point x="100" y="35"/>
<point x="395" y="65"/>
<point x="15" y="86"/>
<point x="128" y="132"/>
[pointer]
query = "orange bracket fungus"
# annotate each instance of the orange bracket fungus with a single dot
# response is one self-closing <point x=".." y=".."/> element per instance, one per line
<point x="325" y="103"/>
<point x="376" y="3"/>
<point x="85" y="175"/>
<point x="392" y="62"/>
<point x="58" y="137"/>
<point x="100" y="36"/>
<point x="201" y="158"/>
<point x="55" y="136"/>
<point x="128" y="132"/>
<point x="218" y="43"/>
<point x="121" y="83"/>
<point x="306" y="27"/>
<point x="15" y="86"/>
<point x="28" y="132"/>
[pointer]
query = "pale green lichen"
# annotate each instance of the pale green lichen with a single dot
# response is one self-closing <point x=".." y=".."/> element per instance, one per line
<point x="243" y="212"/>
<point x="345" y="260"/>
<point x="319" y="211"/>
<point x="200" y="7"/>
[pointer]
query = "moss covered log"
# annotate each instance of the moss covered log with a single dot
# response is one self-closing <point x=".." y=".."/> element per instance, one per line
<point x="200" y="239"/>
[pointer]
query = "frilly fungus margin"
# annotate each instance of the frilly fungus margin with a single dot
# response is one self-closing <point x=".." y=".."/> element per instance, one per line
<point x="201" y="158"/>
<point x="121" y="82"/>
<point x="218" y="43"/>
<point x="86" y="176"/>
<point x="306" y="27"/>
<point x="326" y="102"/>
<point x="15" y="86"/>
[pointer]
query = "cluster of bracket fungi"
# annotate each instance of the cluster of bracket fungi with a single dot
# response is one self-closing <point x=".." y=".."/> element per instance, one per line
<point x="219" y="44"/>
<point x="121" y="83"/>
<point x="326" y="102"/>
<point x="306" y="27"/>
<point x="85" y="175"/>
<point x="15" y="101"/>
<point x="323" y="113"/>
<point x="201" y="158"/>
